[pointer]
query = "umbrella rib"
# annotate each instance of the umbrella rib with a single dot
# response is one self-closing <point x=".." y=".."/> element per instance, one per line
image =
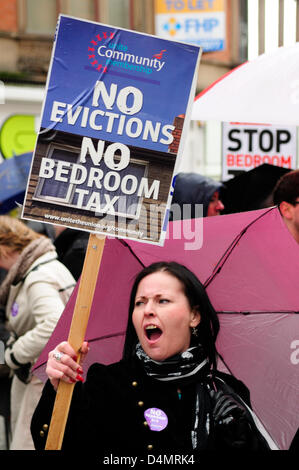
<point x="226" y="365"/>
<point x="130" y="249"/>
<point x="119" y="333"/>
<point x="282" y="312"/>
<point x="230" y="248"/>
<point x="112" y="335"/>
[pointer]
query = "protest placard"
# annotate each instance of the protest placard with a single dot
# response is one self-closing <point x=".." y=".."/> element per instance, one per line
<point x="248" y="145"/>
<point x="113" y="123"/>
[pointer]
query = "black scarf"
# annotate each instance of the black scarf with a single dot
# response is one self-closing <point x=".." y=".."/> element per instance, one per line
<point x="191" y="366"/>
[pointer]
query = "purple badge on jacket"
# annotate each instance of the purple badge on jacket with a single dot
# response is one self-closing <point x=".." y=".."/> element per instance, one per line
<point x="14" y="309"/>
<point x="156" y="419"/>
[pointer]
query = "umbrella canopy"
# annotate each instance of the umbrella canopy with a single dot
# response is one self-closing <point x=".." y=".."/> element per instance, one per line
<point x="264" y="90"/>
<point x="13" y="181"/>
<point x="254" y="291"/>
<point x="251" y="189"/>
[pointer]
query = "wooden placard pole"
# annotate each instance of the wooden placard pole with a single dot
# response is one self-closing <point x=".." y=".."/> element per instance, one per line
<point x="76" y="336"/>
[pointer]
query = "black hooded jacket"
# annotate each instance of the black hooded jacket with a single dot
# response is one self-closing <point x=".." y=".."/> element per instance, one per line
<point x="192" y="188"/>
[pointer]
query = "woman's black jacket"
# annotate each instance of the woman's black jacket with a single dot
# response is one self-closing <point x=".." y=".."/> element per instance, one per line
<point x="107" y="414"/>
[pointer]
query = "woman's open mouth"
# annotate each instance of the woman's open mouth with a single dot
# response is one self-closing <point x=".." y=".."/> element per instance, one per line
<point x="152" y="333"/>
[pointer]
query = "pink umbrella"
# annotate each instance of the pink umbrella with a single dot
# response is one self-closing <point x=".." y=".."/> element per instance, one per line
<point x="250" y="264"/>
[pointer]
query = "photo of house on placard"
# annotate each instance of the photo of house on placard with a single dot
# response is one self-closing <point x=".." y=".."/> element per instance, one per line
<point x="67" y="189"/>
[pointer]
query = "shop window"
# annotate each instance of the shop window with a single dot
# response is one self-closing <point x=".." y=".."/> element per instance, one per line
<point x="41" y="16"/>
<point x="119" y="13"/>
<point x="80" y="9"/>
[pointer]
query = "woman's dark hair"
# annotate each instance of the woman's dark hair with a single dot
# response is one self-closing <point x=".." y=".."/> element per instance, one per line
<point x="208" y="327"/>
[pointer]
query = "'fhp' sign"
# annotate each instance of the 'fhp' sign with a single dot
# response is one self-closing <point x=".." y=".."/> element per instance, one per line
<point x="246" y="146"/>
<point x="200" y="22"/>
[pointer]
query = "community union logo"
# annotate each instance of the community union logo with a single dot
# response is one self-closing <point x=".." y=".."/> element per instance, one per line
<point x="159" y="55"/>
<point x="92" y="50"/>
<point x="104" y="52"/>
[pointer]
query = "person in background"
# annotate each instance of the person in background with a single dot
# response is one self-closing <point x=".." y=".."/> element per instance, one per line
<point x="70" y="244"/>
<point x="71" y="248"/>
<point x="192" y="189"/>
<point x="165" y="396"/>
<point x="286" y="197"/>
<point x="5" y="384"/>
<point x="34" y="293"/>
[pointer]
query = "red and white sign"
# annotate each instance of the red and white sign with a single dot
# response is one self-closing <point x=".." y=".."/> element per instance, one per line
<point x="245" y="146"/>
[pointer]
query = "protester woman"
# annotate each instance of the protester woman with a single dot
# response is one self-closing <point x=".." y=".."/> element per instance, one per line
<point x="165" y="396"/>
<point x="34" y="293"/>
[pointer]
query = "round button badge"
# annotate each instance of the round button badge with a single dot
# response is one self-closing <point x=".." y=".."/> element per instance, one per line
<point x="156" y="419"/>
<point x="14" y="309"/>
